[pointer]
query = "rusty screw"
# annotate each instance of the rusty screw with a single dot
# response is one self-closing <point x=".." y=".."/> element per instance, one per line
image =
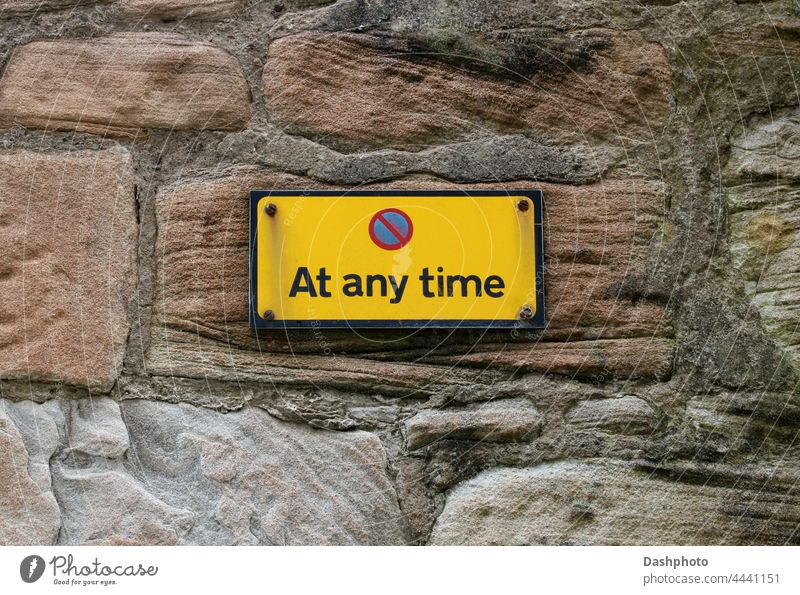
<point x="523" y="205"/>
<point x="271" y="209"/>
<point x="269" y="315"/>
<point x="526" y="313"/>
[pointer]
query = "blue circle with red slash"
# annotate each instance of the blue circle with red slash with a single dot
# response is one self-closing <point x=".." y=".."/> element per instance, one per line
<point x="391" y="229"/>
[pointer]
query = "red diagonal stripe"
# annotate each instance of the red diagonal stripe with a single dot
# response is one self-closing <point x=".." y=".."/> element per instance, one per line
<point x="392" y="229"/>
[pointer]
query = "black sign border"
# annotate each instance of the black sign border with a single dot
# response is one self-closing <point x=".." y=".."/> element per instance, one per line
<point x="537" y="321"/>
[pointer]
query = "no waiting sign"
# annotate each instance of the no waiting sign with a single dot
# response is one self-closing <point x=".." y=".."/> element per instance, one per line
<point x="392" y="258"/>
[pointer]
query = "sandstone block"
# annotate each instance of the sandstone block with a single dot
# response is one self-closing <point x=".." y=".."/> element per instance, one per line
<point x="109" y="507"/>
<point x="598" y="361"/>
<point x="123" y="83"/>
<point x="178" y="9"/>
<point x="69" y="236"/>
<point x="96" y="428"/>
<point x="391" y="91"/>
<point x="597" y="240"/>
<point x="598" y="237"/>
<point x="768" y="148"/>
<point x="610" y="503"/>
<point x="489" y="158"/>
<point x="29" y="514"/>
<point x="38" y="426"/>
<point x="187" y="476"/>
<point x="249" y="478"/>
<point x="415" y="498"/>
<point x="773" y="40"/>
<point x="627" y="414"/>
<point x="493" y="422"/>
<point x="764" y="186"/>
<point x="9" y="8"/>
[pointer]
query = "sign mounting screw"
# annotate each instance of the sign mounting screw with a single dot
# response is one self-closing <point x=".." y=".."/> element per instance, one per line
<point x="523" y="205"/>
<point x="269" y="315"/>
<point x="271" y="209"/>
<point x="526" y="313"/>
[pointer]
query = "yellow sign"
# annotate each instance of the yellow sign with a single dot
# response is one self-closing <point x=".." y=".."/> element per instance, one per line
<point x="396" y="259"/>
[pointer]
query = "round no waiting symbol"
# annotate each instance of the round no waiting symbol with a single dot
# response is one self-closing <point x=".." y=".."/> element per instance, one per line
<point x="391" y="229"/>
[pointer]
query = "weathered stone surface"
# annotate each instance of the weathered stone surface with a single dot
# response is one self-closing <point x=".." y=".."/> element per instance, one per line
<point x="251" y="479"/>
<point x="594" y="290"/>
<point x="627" y="414"/>
<point x="597" y="240"/>
<point x="493" y="422"/>
<point x="611" y="503"/>
<point x="383" y="91"/>
<point x="69" y="243"/>
<point x="461" y="24"/>
<point x="299" y="5"/>
<point x="122" y="83"/>
<point x="187" y="476"/>
<point x="109" y="507"/>
<point x="768" y="148"/>
<point x="743" y="49"/>
<point x="10" y="8"/>
<point x="765" y="220"/>
<point x="184" y="354"/>
<point x="39" y="427"/>
<point x="725" y="423"/>
<point x="490" y="158"/>
<point x="328" y="408"/>
<point x="160" y="9"/>
<point x="766" y="246"/>
<point x="598" y="361"/>
<point x="415" y="498"/>
<point x="96" y="428"/>
<point x="29" y="514"/>
<point x="178" y="9"/>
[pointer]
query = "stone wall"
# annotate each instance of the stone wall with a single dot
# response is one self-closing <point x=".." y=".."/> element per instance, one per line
<point x="659" y="406"/>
